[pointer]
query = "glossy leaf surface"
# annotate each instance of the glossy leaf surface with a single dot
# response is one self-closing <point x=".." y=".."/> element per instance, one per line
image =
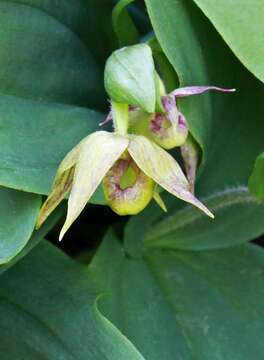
<point x="36" y="57"/>
<point x="53" y="305"/>
<point x="18" y="213"/>
<point x="185" y="305"/>
<point x="240" y="22"/>
<point x="237" y="220"/>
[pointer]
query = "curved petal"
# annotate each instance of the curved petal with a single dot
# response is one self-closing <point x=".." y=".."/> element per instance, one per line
<point x="99" y="152"/>
<point x="61" y="187"/>
<point x="61" y="184"/>
<point x="196" y="90"/>
<point x="163" y="168"/>
<point x="70" y="160"/>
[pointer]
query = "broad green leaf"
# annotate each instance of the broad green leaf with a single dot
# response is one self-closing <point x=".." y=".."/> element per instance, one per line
<point x="42" y="59"/>
<point x="185" y="305"/>
<point x="48" y="309"/>
<point x="18" y="213"/>
<point x="240" y="23"/>
<point x="124" y="27"/>
<point x="34" y="139"/>
<point x="256" y="181"/>
<point x="163" y="169"/>
<point x="98" y="154"/>
<point x="71" y="13"/>
<point x="101" y="38"/>
<point x="35" y="238"/>
<point x="165" y="68"/>
<point x="237" y="219"/>
<point x="130" y="77"/>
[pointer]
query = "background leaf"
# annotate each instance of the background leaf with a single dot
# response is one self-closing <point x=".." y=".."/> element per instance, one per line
<point x="42" y="59"/>
<point x="123" y="24"/>
<point x="35" y="238"/>
<point x="71" y="13"/>
<point x="188" y="229"/>
<point x="240" y="23"/>
<point x="53" y="305"/>
<point x="185" y="305"/>
<point x="101" y="37"/>
<point x="34" y="139"/>
<point x="18" y="213"/>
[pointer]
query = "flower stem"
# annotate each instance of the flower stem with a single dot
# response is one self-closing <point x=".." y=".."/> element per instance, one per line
<point x="120" y="117"/>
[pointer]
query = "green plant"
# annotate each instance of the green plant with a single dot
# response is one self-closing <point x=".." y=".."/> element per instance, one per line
<point x="169" y="282"/>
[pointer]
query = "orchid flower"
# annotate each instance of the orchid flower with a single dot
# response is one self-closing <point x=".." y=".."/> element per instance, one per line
<point x="128" y="165"/>
<point x="131" y="161"/>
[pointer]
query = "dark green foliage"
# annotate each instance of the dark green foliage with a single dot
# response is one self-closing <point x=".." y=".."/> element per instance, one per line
<point x="161" y="286"/>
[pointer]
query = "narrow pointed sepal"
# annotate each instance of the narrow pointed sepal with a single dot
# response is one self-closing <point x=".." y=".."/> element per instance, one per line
<point x="197" y="90"/>
<point x="61" y="184"/>
<point x="61" y="187"/>
<point x="190" y="155"/>
<point x="163" y="169"/>
<point x="159" y="201"/>
<point x="99" y="152"/>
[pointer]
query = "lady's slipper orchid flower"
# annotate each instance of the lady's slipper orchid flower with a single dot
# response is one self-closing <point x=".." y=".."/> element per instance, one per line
<point x="106" y="157"/>
<point x="130" y="162"/>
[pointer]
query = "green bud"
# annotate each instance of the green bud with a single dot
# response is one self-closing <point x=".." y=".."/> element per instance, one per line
<point x="126" y="188"/>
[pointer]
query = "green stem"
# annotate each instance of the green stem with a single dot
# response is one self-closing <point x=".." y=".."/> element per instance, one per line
<point x="120" y="117"/>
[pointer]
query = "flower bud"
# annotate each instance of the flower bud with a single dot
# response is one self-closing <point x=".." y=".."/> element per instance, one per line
<point x="126" y="188"/>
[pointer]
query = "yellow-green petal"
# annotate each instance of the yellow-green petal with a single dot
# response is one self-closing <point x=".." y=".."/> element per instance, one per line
<point x="70" y="159"/>
<point x="99" y="152"/>
<point x="61" y="184"/>
<point x="60" y="188"/>
<point x="163" y="169"/>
